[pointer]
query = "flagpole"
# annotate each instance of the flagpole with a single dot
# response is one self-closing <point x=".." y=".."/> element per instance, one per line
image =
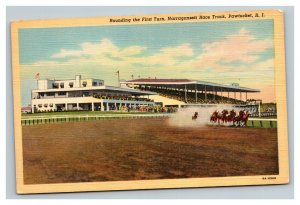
<point x="118" y="73"/>
<point x="37" y="77"/>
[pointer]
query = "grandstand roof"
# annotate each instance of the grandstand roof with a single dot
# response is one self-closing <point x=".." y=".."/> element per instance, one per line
<point x="102" y="88"/>
<point x="149" y="80"/>
<point x="190" y="85"/>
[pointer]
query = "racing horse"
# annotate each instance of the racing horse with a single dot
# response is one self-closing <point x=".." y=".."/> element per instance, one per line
<point x="224" y="116"/>
<point x="195" y="116"/>
<point x="241" y="119"/>
<point x="231" y="116"/>
<point x="238" y="120"/>
<point x="214" y="116"/>
<point x="219" y="117"/>
<point x="245" y="119"/>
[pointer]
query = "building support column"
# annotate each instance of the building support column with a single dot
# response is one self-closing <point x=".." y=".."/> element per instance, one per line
<point x="32" y="108"/>
<point x="102" y="106"/>
<point x="66" y="106"/>
<point x="214" y="93"/>
<point x="196" y="93"/>
<point x="93" y="107"/>
<point x="77" y="106"/>
<point x="107" y="106"/>
<point x="185" y="94"/>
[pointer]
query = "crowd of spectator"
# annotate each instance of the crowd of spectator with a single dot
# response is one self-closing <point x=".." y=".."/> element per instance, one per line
<point x="144" y="108"/>
<point x="190" y="98"/>
<point x="268" y="107"/>
<point x="114" y="97"/>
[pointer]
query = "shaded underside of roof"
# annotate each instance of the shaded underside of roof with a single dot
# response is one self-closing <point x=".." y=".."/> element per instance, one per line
<point x="100" y="88"/>
<point x="189" y="85"/>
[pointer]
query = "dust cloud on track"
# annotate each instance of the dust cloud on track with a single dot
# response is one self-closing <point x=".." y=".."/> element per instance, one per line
<point x="183" y="118"/>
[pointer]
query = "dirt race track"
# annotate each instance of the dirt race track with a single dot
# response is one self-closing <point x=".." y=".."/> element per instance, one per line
<point x="133" y="149"/>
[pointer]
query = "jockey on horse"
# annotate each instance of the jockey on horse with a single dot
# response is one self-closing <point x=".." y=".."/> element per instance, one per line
<point x="245" y="118"/>
<point x="224" y="116"/>
<point x="242" y="118"/>
<point x="195" y="116"/>
<point x="239" y="120"/>
<point x="214" y="116"/>
<point x="231" y="116"/>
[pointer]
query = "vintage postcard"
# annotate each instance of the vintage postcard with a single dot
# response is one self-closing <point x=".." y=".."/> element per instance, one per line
<point x="150" y="102"/>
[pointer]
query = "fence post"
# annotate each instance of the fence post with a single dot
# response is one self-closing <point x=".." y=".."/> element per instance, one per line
<point x="261" y="124"/>
<point x="271" y="123"/>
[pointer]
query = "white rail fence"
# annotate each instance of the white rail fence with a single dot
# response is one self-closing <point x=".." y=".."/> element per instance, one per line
<point x="34" y="120"/>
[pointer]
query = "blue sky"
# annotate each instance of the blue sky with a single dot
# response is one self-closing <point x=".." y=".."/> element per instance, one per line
<point x="40" y="43"/>
<point x="177" y="50"/>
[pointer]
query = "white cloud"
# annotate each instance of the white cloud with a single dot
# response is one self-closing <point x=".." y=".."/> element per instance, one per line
<point x="241" y="47"/>
<point x="106" y="52"/>
<point x="234" y="55"/>
<point x="96" y="50"/>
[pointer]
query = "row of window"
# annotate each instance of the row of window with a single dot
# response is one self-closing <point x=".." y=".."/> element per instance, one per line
<point x="71" y="84"/>
<point x="45" y="105"/>
<point x="52" y="94"/>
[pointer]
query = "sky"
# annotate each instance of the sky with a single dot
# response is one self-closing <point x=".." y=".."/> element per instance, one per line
<point x="221" y="52"/>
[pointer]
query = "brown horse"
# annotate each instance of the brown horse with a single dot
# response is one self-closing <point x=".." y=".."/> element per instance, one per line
<point x="224" y="117"/>
<point x="195" y="116"/>
<point x="241" y="119"/>
<point x="231" y="116"/>
<point x="245" y="119"/>
<point x="237" y="119"/>
<point x="214" y="116"/>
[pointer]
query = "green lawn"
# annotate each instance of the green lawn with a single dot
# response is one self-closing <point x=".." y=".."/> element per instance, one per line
<point x="267" y="117"/>
<point x="265" y="124"/>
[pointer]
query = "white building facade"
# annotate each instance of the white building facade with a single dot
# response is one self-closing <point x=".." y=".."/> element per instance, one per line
<point x="84" y="94"/>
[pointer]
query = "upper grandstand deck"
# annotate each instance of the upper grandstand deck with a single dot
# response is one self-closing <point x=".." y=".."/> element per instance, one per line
<point x="192" y="91"/>
<point x="189" y="85"/>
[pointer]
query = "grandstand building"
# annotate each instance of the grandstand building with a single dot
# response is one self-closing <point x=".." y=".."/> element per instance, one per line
<point x="182" y="92"/>
<point x="85" y="94"/>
